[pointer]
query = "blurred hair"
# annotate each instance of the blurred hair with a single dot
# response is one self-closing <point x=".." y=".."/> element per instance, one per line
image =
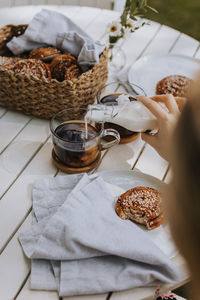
<point x="183" y="205"/>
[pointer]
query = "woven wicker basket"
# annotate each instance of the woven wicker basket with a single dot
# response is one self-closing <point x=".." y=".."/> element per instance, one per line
<point x="43" y="97"/>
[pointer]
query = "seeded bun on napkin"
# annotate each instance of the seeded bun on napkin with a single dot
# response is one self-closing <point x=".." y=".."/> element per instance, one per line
<point x="142" y="205"/>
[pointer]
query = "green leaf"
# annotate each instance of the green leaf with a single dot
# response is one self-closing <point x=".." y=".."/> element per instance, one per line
<point x="153" y="9"/>
<point x="128" y="4"/>
<point x="122" y="31"/>
<point x="133" y="6"/>
<point x="143" y="3"/>
<point x="113" y="39"/>
<point x="133" y="17"/>
<point x="141" y="10"/>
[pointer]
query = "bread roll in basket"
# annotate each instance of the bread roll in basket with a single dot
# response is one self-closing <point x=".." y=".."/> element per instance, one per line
<point x="44" y="97"/>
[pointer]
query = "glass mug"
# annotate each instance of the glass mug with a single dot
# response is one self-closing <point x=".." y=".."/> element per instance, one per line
<point x="108" y="94"/>
<point x="77" y="143"/>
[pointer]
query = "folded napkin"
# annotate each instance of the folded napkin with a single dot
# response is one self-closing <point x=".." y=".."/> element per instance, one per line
<point x="50" y="28"/>
<point x="78" y="244"/>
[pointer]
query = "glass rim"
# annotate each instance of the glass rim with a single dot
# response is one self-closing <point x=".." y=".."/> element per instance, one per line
<point x="65" y="110"/>
<point x="118" y="82"/>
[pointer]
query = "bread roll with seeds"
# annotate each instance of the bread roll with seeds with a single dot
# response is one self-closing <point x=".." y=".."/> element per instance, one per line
<point x="177" y="85"/>
<point x="72" y="72"/>
<point x="45" y="54"/>
<point x="32" y="67"/>
<point x="60" y="64"/>
<point x="142" y="205"/>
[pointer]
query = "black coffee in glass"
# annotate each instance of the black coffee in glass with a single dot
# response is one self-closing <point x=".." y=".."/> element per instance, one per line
<point x="76" y="143"/>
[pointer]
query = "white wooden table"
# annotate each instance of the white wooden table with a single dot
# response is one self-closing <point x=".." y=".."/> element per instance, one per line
<point x="25" y="151"/>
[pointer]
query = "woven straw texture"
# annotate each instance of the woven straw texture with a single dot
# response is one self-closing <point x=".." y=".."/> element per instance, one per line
<point x="6" y="34"/>
<point x="43" y="97"/>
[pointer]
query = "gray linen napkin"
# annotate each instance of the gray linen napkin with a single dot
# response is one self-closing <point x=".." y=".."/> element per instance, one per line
<point x="98" y="251"/>
<point x="50" y="28"/>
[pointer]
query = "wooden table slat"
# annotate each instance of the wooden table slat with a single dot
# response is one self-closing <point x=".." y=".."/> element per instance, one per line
<point x="2" y="111"/>
<point x="87" y="297"/>
<point x="185" y="45"/>
<point x="134" y="294"/>
<point x="163" y="42"/>
<point x="24" y="18"/>
<point x="13" y="259"/>
<point x="10" y="125"/>
<point x="51" y="2"/>
<point x="81" y="20"/>
<point x="21" y="151"/>
<point x="12" y="215"/>
<point x="197" y="55"/>
<point x="71" y="2"/>
<point x="151" y="163"/>
<point x="27" y="294"/>
<point x="5" y="3"/>
<point x="123" y="156"/>
<point x="20" y="2"/>
<point x="106" y="4"/>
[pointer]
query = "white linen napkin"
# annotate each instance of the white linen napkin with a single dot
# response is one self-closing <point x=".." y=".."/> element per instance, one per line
<point x="50" y="28"/>
<point x="90" y="248"/>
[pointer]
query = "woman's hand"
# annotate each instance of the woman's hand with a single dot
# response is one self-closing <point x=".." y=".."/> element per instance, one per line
<point x="167" y="119"/>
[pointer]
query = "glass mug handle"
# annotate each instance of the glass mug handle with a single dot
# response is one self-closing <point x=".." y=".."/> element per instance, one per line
<point x="109" y="132"/>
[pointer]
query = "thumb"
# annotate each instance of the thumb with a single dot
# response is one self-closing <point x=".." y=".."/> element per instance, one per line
<point x="150" y="139"/>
